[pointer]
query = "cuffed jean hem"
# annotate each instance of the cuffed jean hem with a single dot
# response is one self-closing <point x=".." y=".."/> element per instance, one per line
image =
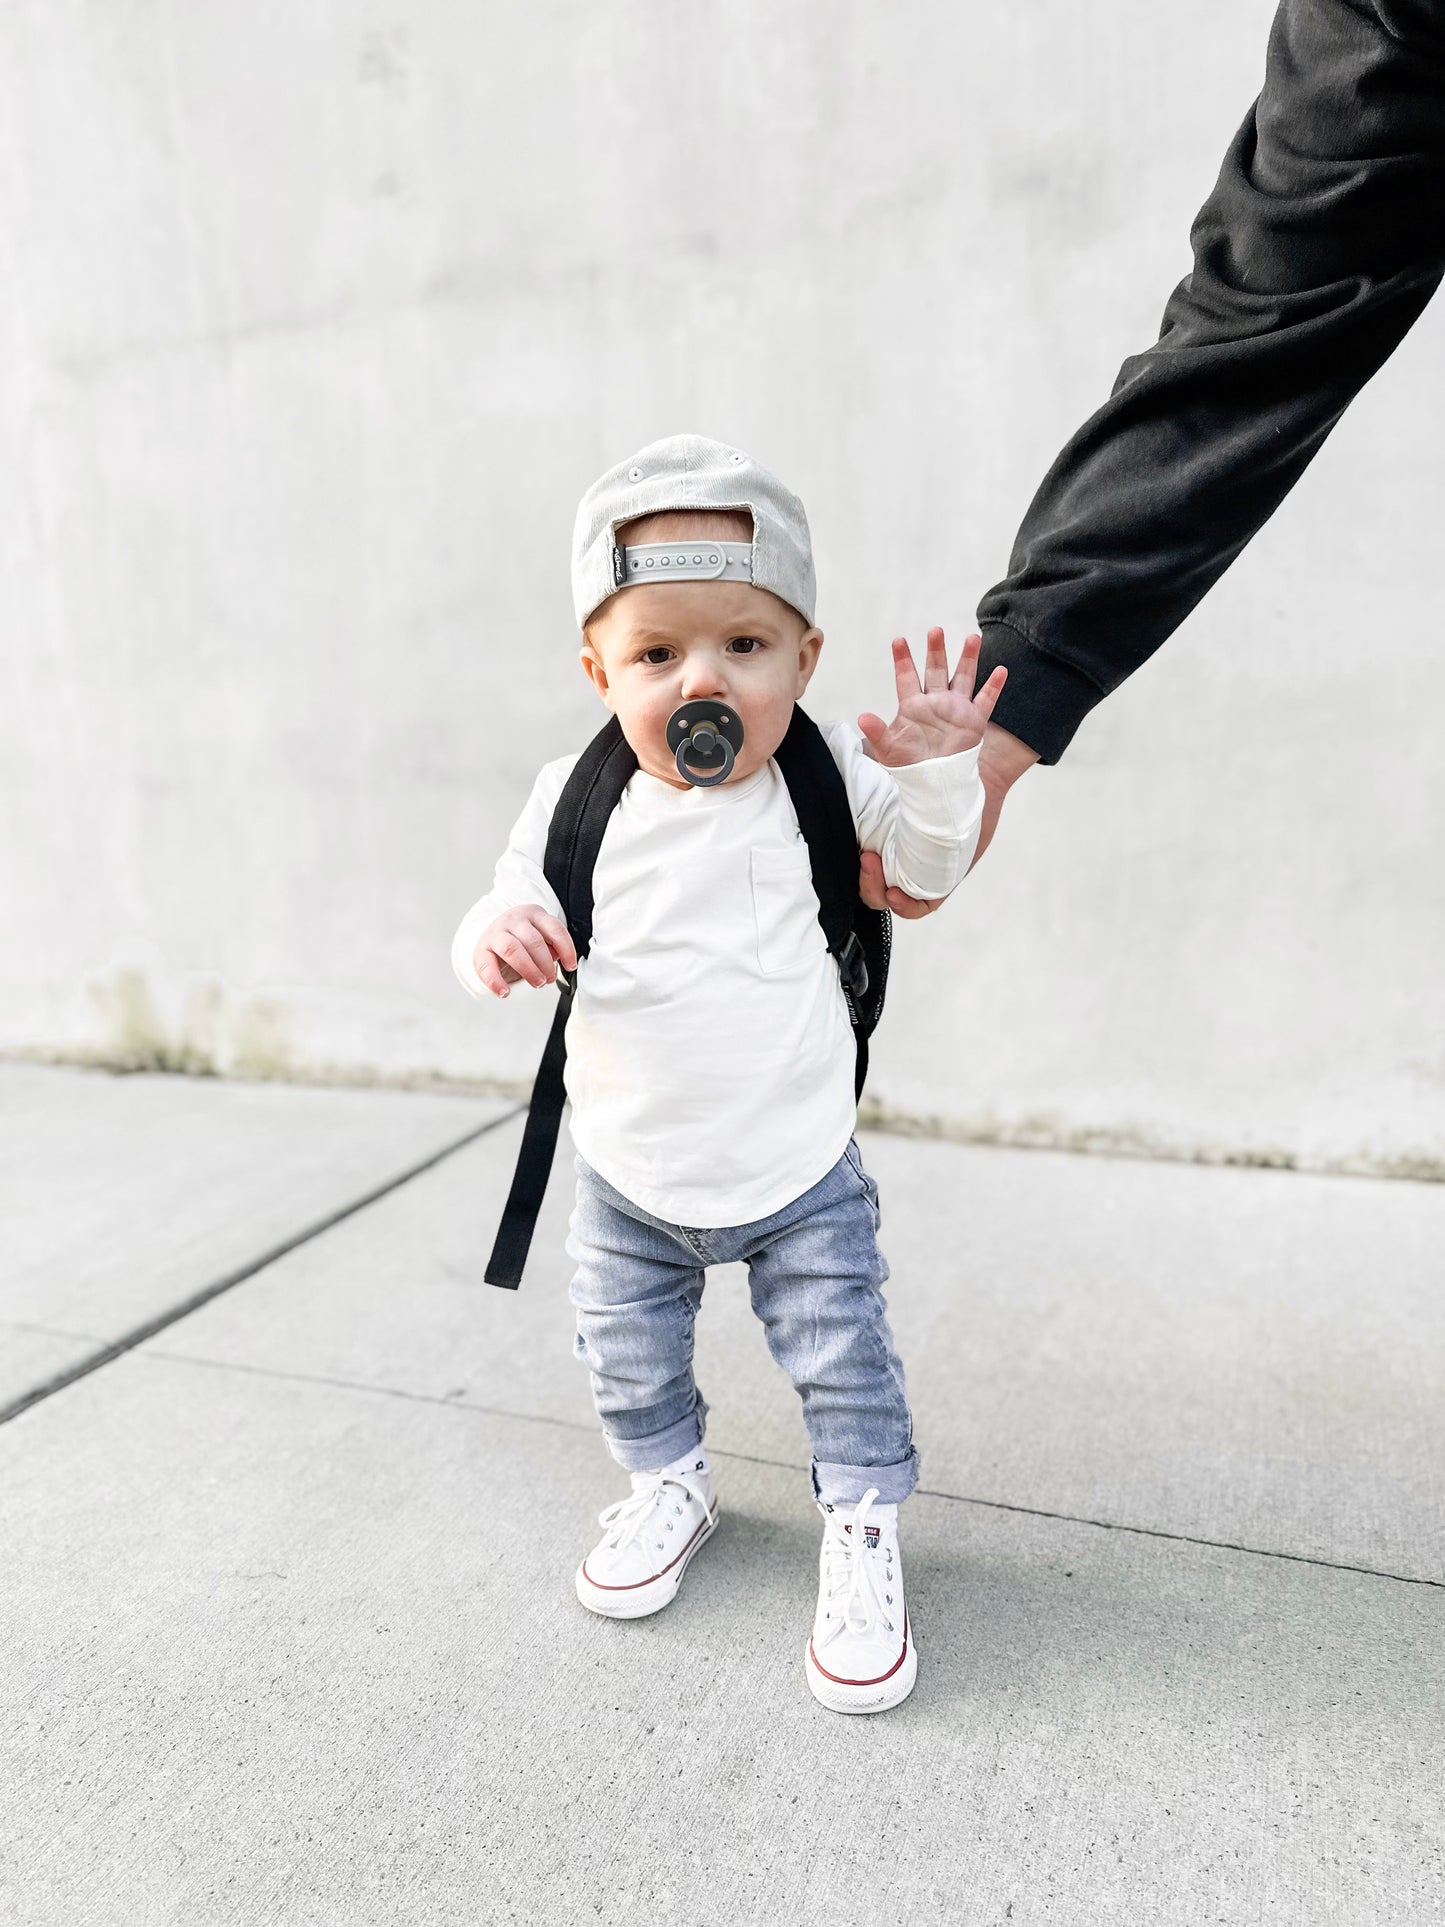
<point x="658" y="1449"/>
<point x="846" y="1484"/>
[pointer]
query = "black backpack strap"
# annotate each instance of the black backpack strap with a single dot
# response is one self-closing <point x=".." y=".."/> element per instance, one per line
<point x="820" y="799"/>
<point x="534" y="1159"/>
<point x="579" y="822"/>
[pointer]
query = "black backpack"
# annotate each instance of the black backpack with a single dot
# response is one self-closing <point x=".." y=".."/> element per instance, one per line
<point x="859" y="938"/>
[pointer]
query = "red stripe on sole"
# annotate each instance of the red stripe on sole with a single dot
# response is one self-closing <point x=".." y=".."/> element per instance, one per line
<point x="838" y="1679"/>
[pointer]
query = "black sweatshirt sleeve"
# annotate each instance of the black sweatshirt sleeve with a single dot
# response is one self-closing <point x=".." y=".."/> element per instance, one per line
<point x="1322" y="241"/>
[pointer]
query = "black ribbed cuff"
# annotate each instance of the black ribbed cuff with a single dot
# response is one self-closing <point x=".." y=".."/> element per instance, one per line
<point x="1044" y="699"/>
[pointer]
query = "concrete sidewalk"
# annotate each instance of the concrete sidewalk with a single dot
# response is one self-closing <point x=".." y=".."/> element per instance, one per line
<point x="286" y="1597"/>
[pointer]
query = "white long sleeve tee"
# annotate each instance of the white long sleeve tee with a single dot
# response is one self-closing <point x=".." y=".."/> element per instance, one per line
<point x="710" y="1060"/>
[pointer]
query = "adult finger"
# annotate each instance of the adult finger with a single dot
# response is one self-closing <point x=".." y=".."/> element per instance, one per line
<point x="984" y="701"/>
<point x="935" y="662"/>
<point x="911" y="908"/>
<point x="967" y="671"/>
<point x="905" y="675"/>
<point x="871" y="887"/>
<point x="559" y="939"/>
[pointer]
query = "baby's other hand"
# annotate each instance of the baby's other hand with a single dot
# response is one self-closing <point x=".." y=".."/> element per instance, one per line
<point x="937" y="717"/>
<point x="523" y="945"/>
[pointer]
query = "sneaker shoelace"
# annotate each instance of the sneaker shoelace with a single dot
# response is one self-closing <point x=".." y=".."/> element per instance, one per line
<point x="623" y="1521"/>
<point x="855" y="1601"/>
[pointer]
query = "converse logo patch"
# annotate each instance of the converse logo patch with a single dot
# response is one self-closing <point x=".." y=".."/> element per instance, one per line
<point x="871" y="1532"/>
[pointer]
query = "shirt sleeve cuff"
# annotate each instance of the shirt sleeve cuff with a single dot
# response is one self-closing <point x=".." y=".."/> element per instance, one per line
<point x="1045" y="698"/>
<point x="939" y="796"/>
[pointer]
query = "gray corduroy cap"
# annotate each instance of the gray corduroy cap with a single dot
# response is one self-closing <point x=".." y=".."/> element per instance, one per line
<point x="691" y="472"/>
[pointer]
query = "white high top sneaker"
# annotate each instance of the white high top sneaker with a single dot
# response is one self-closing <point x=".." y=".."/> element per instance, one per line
<point x="861" y="1657"/>
<point x="648" y="1540"/>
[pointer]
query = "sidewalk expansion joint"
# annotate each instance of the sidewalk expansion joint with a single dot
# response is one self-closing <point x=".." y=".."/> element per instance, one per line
<point x="118" y="1347"/>
<point x="787" y="1465"/>
<point x="1187" y="1539"/>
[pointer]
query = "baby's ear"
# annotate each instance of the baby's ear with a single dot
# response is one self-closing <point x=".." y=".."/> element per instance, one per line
<point x="595" y="668"/>
<point x="810" y="644"/>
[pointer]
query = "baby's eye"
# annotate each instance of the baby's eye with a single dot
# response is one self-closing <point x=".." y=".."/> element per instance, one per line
<point x="659" y="653"/>
<point x="745" y="645"/>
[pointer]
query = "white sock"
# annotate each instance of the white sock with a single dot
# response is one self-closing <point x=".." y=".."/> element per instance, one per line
<point x="884" y="1514"/>
<point x="694" y="1463"/>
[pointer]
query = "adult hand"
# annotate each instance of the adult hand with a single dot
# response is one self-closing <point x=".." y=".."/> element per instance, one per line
<point x="876" y="893"/>
<point x="1001" y="762"/>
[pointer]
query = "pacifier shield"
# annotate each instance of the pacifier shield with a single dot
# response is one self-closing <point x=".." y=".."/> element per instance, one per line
<point x="704" y="737"/>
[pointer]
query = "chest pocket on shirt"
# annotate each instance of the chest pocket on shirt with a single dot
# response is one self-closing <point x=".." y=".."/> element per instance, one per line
<point x="786" y="909"/>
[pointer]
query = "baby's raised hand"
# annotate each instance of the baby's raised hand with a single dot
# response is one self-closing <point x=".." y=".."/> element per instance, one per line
<point x="523" y="945"/>
<point x="941" y="715"/>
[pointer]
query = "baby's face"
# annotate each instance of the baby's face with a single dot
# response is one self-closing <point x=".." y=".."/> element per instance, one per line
<point x="657" y="645"/>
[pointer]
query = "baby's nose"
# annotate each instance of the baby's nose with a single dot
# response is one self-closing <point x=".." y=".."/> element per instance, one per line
<point x="704" y="678"/>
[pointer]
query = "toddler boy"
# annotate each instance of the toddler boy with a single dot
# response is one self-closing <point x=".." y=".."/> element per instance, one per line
<point x="710" y="1058"/>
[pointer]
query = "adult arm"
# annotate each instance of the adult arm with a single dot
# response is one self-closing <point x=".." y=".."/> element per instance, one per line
<point x="1322" y="241"/>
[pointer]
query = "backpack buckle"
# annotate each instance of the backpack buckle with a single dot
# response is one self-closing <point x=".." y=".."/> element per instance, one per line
<point x="852" y="966"/>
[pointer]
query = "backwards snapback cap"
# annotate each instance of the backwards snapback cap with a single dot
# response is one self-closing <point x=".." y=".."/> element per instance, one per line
<point x="691" y="472"/>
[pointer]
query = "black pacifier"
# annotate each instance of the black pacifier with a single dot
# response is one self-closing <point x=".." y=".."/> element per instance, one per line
<point x="704" y="737"/>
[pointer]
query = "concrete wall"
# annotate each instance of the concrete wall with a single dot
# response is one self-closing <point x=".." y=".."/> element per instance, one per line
<point x="318" y="318"/>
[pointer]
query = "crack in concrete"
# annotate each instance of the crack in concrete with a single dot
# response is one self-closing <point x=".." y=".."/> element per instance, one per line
<point x="118" y="1348"/>
<point x="127" y="1342"/>
<point x="51" y="1331"/>
<point x="789" y="1465"/>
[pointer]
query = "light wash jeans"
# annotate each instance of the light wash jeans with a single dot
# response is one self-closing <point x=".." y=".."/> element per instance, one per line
<point x="814" y="1274"/>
